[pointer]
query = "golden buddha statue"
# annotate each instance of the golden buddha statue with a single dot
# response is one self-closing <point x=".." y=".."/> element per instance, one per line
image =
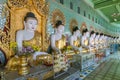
<point x="101" y="42"/>
<point x="75" y="40"/>
<point x="58" y="42"/>
<point x="97" y="41"/>
<point x="92" y="42"/>
<point x="85" y="41"/>
<point x="28" y="37"/>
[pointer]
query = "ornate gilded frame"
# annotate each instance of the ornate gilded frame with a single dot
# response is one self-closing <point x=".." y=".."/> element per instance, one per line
<point x="57" y="15"/>
<point x="5" y="35"/>
<point x="18" y="9"/>
<point x="73" y="23"/>
<point x="83" y="26"/>
<point x="92" y="28"/>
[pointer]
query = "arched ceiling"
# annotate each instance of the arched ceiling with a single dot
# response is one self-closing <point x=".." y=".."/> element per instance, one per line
<point x="110" y="8"/>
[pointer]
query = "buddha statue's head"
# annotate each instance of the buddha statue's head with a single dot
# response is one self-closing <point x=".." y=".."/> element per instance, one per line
<point x="76" y="31"/>
<point x="59" y="27"/>
<point x="92" y="34"/>
<point x="101" y="36"/>
<point x="85" y="32"/>
<point x="97" y="35"/>
<point x="30" y="22"/>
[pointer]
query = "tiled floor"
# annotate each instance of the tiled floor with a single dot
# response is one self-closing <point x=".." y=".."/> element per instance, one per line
<point x="108" y="70"/>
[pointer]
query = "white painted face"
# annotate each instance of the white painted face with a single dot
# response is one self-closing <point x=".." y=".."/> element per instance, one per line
<point x="102" y="36"/>
<point x="93" y="35"/>
<point x="97" y="36"/>
<point x="77" y="33"/>
<point x="60" y="29"/>
<point x="31" y="24"/>
<point x="87" y="34"/>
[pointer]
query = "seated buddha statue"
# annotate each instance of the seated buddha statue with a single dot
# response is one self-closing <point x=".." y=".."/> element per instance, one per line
<point x="92" y="41"/>
<point x="115" y="40"/>
<point x="85" y="41"/>
<point x="101" y="41"/>
<point x="28" y="35"/>
<point x="96" y="41"/>
<point x="58" y="43"/>
<point x="75" y="40"/>
<point x="109" y="40"/>
<point x="104" y="41"/>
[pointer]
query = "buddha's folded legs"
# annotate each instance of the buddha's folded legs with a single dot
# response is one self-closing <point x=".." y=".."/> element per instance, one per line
<point x="13" y="63"/>
<point x="38" y="54"/>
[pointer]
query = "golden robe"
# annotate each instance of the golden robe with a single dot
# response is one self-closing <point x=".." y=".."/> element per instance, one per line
<point x="86" y="43"/>
<point x="60" y="60"/>
<point x="60" y="44"/>
<point x="35" y="42"/>
<point x="14" y="62"/>
<point x="77" y="43"/>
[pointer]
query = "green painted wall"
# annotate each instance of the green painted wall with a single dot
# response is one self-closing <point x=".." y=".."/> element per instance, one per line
<point x="101" y="24"/>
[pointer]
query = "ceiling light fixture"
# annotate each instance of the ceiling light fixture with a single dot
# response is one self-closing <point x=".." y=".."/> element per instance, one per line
<point x="115" y="14"/>
<point x="115" y="19"/>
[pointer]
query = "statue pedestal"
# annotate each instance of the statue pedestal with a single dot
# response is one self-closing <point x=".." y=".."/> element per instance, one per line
<point x="100" y="55"/>
<point x="107" y="52"/>
<point x="38" y="72"/>
<point x="83" y="61"/>
<point x="71" y="74"/>
<point x="23" y="69"/>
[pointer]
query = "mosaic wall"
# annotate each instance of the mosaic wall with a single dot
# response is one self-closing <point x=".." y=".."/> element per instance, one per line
<point x="86" y="15"/>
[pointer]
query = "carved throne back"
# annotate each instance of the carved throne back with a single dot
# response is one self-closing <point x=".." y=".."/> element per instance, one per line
<point x="17" y="10"/>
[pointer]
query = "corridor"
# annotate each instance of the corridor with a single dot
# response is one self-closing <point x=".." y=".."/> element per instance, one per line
<point x="108" y="70"/>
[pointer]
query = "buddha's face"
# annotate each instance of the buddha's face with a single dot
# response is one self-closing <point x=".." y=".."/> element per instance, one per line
<point x="31" y="24"/>
<point x="102" y="36"/>
<point x="87" y="34"/>
<point x="93" y="35"/>
<point x="60" y="29"/>
<point x="98" y="36"/>
<point x="77" y="33"/>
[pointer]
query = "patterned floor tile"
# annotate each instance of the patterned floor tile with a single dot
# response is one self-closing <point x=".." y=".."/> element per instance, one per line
<point x="97" y="78"/>
<point x="108" y="70"/>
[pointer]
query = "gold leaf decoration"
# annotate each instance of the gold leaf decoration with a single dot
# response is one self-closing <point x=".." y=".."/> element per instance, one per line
<point x="41" y="6"/>
<point x="73" y="23"/>
<point x="83" y="26"/>
<point x="57" y="15"/>
<point x="17" y="3"/>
